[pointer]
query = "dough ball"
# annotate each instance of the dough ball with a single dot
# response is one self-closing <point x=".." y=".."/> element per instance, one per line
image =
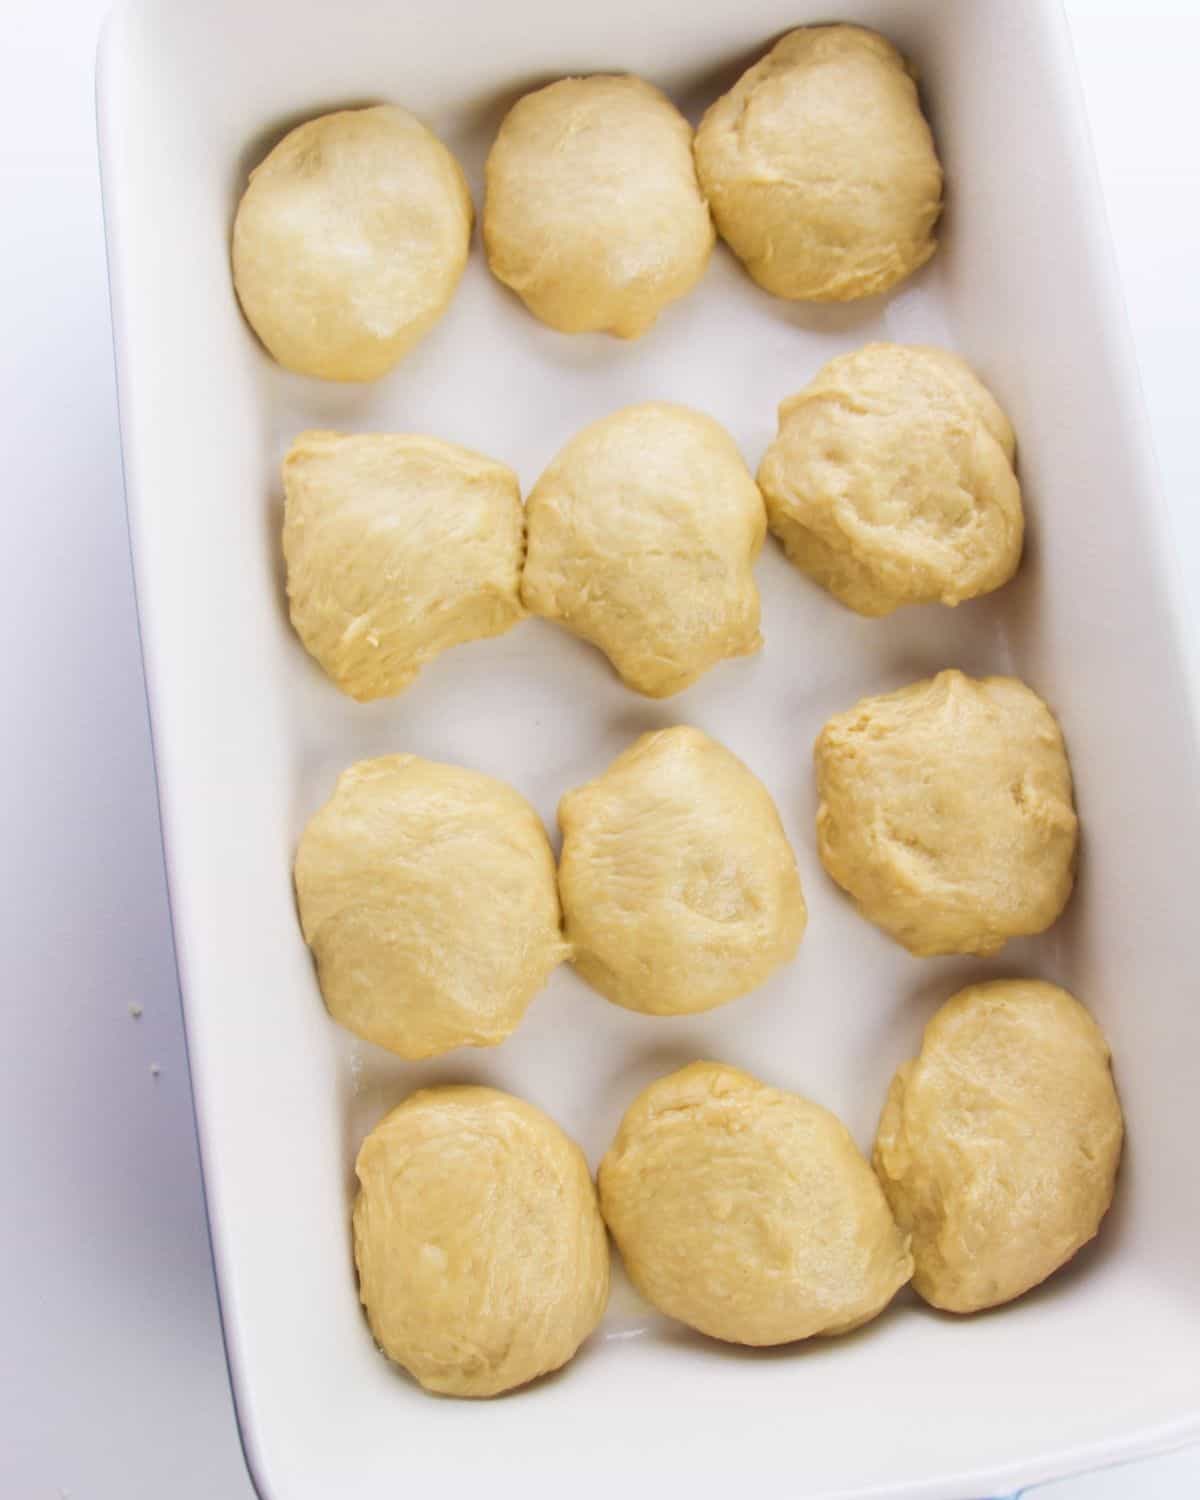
<point x="999" y="1144"/>
<point x="748" y="1212"/>
<point x="891" y="481"/>
<point x="349" y="242"/>
<point x="641" y="536"/>
<point x="593" y="214"/>
<point x="945" y="810"/>
<point x="820" y="169"/>
<point x="482" y="1258"/>
<point x="396" y="548"/>
<point x="679" y="887"/>
<point x="427" y="894"/>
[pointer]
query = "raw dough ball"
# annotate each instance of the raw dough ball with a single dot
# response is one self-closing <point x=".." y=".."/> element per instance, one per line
<point x="396" y="548"/>
<point x="482" y="1258"/>
<point x="946" y="812"/>
<point x="748" y="1212"/>
<point x="641" y="537"/>
<point x="999" y="1144"/>
<point x="820" y="169"/>
<point x="427" y="894"/>
<point x="679" y="888"/>
<point x="593" y="215"/>
<point x="891" y="481"/>
<point x="349" y="242"/>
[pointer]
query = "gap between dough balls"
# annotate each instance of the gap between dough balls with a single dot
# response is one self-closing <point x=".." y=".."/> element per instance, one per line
<point x="482" y="1257"/>
<point x="946" y="811"/>
<point x="999" y="1144"/>
<point x="427" y="894"/>
<point x="679" y="888"/>
<point x="748" y="1212"/>
<point x="349" y="242"/>
<point x="593" y="214"/>
<point x="820" y="168"/>
<point x="397" y="548"/>
<point x="641" y="538"/>
<point x="891" y="481"/>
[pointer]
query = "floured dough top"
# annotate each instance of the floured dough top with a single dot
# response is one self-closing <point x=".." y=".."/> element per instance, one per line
<point x="946" y="811"/>
<point x="482" y="1258"/>
<point x="641" y="538"/>
<point x="397" y="548"/>
<point x="999" y="1144"/>
<point x="679" y="888"/>
<point x="891" y="481"/>
<point x="427" y="894"/>
<point x="748" y="1212"/>
<point x="350" y="240"/>
<point x="593" y="214"/>
<point x="820" y="168"/>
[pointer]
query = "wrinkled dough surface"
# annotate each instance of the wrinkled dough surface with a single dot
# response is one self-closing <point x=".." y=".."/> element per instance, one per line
<point x="397" y="547"/>
<point x="945" y="810"/>
<point x="891" y="481"/>
<point x="747" y="1212"/>
<point x="820" y="168"/>
<point x="482" y="1258"/>
<point x="593" y="213"/>
<point x="641" y="536"/>
<point x="349" y="242"/>
<point x="679" y="887"/>
<point x="427" y="894"/>
<point x="999" y="1144"/>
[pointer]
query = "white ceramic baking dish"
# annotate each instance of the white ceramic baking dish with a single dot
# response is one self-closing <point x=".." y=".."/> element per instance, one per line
<point x="1100" y="1363"/>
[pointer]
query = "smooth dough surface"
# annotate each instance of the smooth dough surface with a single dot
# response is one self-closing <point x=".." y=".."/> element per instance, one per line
<point x="482" y="1258"/>
<point x="349" y="242"/>
<point x="427" y="894"/>
<point x="396" y="548"/>
<point x="679" y="887"/>
<point x="945" y="810"/>
<point x="891" y="481"/>
<point x="593" y="213"/>
<point x="820" y="168"/>
<point x="641" y="536"/>
<point x="998" y="1146"/>
<point x="747" y="1212"/>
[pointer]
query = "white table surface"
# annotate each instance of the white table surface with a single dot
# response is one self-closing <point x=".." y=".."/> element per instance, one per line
<point x="112" y="1376"/>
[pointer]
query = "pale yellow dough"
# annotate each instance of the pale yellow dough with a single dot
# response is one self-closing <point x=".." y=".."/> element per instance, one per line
<point x="679" y="887"/>
<point x="641" y="538"/>
<point x="891" y="481"/>
<point x="396" y="548"/>
<point x="747" y="1212"/>
<point x="482" y="1258"/>
<point x="593" y="214"/>
<point x="820" y="168"/>
<point x="946" y="812"/>
<point x="999" y="1144"/>
<point x="427" y="894"/>
<point x="349" y="242"/>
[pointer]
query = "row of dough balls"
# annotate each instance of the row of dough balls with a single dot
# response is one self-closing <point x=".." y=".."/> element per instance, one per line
<point x="891" y="482"/>
<point x="743" y="1211"/>
<point x="429" y="895"/>
<point x="818" y="167"/>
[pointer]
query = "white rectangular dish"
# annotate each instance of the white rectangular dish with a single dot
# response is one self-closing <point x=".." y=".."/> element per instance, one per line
<point x="1102" y="1362"/>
